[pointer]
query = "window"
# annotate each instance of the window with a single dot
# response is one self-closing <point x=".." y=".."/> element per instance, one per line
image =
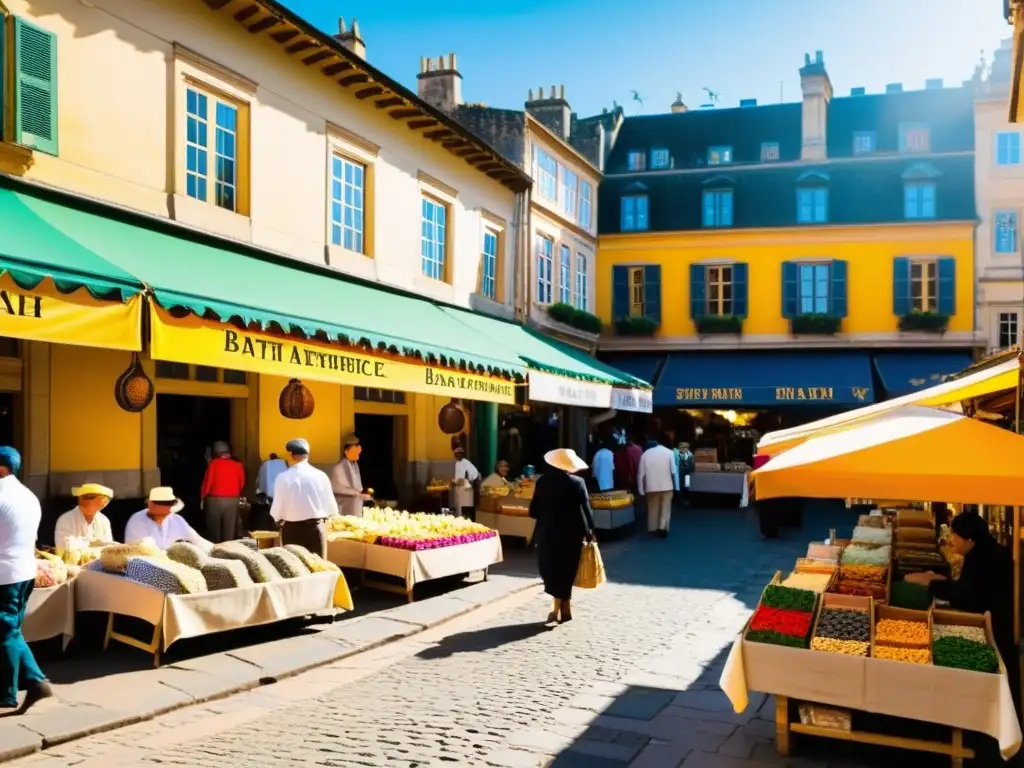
<point x="545" y="264"/>
<point x="719" y="155"/>
<point x="434" y="238"/>
<point x="813" y="284"/>
<point x="211" y="149"/>
<point x="919" y="200"/>
<point x="1009" y="330"/>
<point x="547" y="174"/>
<point x="634" y="213"/>
<point x="718" y="208"/>
<point x="864" y="142"/>
<point x="914" y="137"/>
<point x="565" y="275"/>
<point x="812" y="205"/>
<point x="489" y="265"/>
<point x="569" y="191"/>
<point x="718" y="281"/>
<point x="371" y="395"/>
<point x="659" y="159"/>
<point x="348" y="185"/>
<point x="769" y="151"/>
<point x="1006" y="231"/>
<point x="1008" y="148"/>
<point x="924" y="286"/>
<point x="635" y="160"/>
<point x="581" y="282"/>
<point x="585" y="203"/>
<point x="636" y="292"/>
<point x="35" y="85"/>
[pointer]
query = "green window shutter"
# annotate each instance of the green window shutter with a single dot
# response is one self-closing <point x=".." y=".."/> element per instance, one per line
<point x="620" y="292"/>
<point x="652" y="293"/>
<point x="739" y="290"/>
<point x="837" y="288"/>
<point x="901" y="303"/>
<point x="35" y="87"/>
<point x="698" y="290"/>
<point x="946" y="302"/>
<point x="790" y="290"/>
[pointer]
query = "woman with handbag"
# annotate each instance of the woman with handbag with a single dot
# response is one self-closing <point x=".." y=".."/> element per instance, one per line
<point x="561" y="507"/>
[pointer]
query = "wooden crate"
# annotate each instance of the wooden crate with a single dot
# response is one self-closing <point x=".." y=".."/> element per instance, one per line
<point x="902" y="614"/>
<point x="846" y="603"/>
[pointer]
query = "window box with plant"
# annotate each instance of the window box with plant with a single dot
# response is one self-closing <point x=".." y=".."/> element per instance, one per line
<point x="636" y="299"/>
<point x="814" y="296"/>
<point x="708" y="325"/>
<point x="718" y="297"/>
<point x="635" y="326"/>
<point x="580" y="319"/>
<point x="930" y="322"/>
<point x="924" y="293"/>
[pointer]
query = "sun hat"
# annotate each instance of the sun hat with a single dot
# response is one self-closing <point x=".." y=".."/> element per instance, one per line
<point x="164" y="494"/>
<point x="565" y="459"/>
<point x="93" y="489"/>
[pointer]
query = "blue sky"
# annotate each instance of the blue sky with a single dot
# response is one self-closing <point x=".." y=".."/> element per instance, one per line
<point x="603" y="50"/>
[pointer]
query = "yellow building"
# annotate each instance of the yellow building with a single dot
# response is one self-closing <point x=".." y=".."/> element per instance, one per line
<point x="205" y="212"/>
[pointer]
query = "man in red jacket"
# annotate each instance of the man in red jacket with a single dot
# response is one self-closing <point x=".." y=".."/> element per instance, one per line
<point x="222" y="487"/>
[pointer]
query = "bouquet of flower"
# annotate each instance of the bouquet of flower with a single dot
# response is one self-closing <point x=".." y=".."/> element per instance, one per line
<point x="412" y="531"/>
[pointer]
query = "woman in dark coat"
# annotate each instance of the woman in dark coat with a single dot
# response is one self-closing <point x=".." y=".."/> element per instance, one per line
<point x="561" y="507"/>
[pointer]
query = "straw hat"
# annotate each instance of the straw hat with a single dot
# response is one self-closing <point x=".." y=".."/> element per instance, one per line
<point x="93" y="489"/>
<point x="565" y="459"/>
<point x="164" y="494"/>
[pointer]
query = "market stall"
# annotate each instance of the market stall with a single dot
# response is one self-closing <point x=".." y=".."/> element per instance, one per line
<point x="506" y="509"/>
<point x="51" y="613"/>
<point x="612" y="510"/>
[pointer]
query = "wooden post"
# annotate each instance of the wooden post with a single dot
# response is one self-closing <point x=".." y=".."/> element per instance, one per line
<point x="782" y="725"/>
<point x="1015" y="544"/>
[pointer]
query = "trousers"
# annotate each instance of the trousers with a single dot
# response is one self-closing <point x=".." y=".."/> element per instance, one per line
<point x="659" y="510"/>
<point x="221" y="518"/>
<point x="311" y="534"/>
<point x="18" y="667"/>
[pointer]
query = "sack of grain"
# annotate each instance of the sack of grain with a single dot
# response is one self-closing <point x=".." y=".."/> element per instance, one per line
<point x="286" y="563"/>
<point x="165" y="574"/>
<point x="187" y="553"/>
<point x="225" y="574"/>
<point x="115" y="556"/>
<point x="260" y="569"/>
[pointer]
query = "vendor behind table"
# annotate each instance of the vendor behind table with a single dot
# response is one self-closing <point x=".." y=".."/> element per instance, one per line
<point x="347" y="481"/>
<point x="465" y="477"/>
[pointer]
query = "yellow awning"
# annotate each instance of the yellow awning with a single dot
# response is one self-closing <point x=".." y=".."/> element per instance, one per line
<point x="912" y="454"/>
<point x="948" y="395"/>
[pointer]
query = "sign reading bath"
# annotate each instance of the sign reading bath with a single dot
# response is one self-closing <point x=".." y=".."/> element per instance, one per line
<point x="203" y="342"/>
<point x="546" y="388"/>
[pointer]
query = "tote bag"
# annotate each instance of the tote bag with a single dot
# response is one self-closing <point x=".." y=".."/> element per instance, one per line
<point x="590" y="573"/>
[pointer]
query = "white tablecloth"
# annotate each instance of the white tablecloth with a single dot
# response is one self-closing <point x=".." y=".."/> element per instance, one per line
<point x="415" y="567"/>
<point x="508" y="525"/>
<point x="51" y="612"/>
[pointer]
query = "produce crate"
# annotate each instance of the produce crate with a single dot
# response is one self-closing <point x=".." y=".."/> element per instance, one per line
<point x="819" y="551"/>
<point x="871" y="521"/>
<point x="847" y="603"/>
<point x="777" y="581"/>
<point x="833" y="575"/>
<point x="813" y="565"/>
<point x="914" y="518"/>
<point x="961" y="619"/>
<point x="901" y="614"/>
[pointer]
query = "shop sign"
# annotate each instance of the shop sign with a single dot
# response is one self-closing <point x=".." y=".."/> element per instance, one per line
<point x="201" y="342"/>
<point x="545" y="388"/>
<point x="635" y="400"/>
<point x="45" y="314"/>
<point x="763" y="395"/>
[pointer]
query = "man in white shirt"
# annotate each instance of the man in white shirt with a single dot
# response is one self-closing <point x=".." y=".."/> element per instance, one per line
<point x="303" y="500"/>
<point x="346" y="479"/>
<point x="161" y="522"/>
<point x="462" y="488"/>
<point x="267" y="477"/>
<point x="603" y="468"/>
<point x="20" y="514"/>
<point x="657" y="479"/>
<point x="85" y="521"/>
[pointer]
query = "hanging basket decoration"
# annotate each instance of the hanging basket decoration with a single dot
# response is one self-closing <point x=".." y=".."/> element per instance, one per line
<point x="296" y="401"/>
<point x="134" y="390"/>
<point x="451" y="419"/>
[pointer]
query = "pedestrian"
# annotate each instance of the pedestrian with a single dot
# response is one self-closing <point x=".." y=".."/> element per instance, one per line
<point x="20" y="514"/>
<point x="627" y="462"/>
<point x="657" y="481"/>
<point x="303" y="500"/>
<point x="686" y="466"/>
<point x="561" y="507"/>
<point x="603" y="470"/>
<point x="222" y="489"/>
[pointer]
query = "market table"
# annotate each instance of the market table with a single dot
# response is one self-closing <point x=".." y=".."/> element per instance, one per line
<point x="175" y="617"/>
<point x="51" y="612"/>
<point x="412" y="566"/>
<point x="508" y="525"/>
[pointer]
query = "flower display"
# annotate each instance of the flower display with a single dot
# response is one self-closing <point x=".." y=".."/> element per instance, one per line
<point x="414" y="531"/>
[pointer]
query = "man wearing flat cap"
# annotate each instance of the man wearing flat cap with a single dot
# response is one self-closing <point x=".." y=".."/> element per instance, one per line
<point x="303" y="500"/>
<point x="86" y="521"/>
<point x="346" y="479"/>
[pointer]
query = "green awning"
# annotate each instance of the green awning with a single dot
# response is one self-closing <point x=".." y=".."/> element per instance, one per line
<point x="38" y="242"/>
<point x="542" y="353"/>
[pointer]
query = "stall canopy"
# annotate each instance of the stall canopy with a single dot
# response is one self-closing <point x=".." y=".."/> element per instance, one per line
<point x="644" y="367"/>
<point x="1001" y="377"/>
<point x="825" y="378"/>
<point x="902" y="373"/>
<point x="912" y="453"/>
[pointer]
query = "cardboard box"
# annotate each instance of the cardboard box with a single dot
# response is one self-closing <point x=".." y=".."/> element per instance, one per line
<point x="902" y="614"/>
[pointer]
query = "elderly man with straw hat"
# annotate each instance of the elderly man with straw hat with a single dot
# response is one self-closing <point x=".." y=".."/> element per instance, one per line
<point x="161" y="522"/>
<point x="86" y="521"/>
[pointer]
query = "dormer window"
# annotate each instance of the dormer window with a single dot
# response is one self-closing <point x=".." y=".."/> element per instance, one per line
<point x="915" y="137"/>
<point x="659" y="159"/>
<point x="719" y="155"/>
<point x="635" y="160"/>
<point x="864" y="142"/>
<point x="812" y="198"/>
<point x="769" y="151"/>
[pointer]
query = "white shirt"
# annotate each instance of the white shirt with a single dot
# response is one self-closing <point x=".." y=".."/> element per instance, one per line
<point x="72" y="525"/>
<point x="658" y="471"/>
<point x="464" y="469"/>
<point x="20" y="514"/>
<point x="303" y="492"/>
<point x="267" y="477"/>
<point x="604" y="469"/>
<point x="174" y="528"/>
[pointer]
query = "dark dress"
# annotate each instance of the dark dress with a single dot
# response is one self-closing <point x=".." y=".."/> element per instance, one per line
<point x="561" y="507"/>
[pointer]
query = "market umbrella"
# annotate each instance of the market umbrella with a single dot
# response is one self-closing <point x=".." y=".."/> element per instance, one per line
<point x="913" y="453"/>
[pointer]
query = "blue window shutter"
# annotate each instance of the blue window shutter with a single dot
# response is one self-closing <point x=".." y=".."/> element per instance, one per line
<point x="627" y="222"/>
<point x="35" y="87"/>
<point x="698" y="290"/>
<point x="790" y="290"/>
<point x="837" y="288"/>
<point x="946" y="303"/>
<point x="652" y="293"/>
<point x="620" y="292"/>
<point x="739" y="290"/>
<point x="901" y="286"/>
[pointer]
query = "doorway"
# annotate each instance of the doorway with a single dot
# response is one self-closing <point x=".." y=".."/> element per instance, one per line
<point x="377" y="463"/>
<point x="186" y="427"/>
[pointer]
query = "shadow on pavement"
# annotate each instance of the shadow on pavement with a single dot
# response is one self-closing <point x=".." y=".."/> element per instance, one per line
<point x="479" y="640"/>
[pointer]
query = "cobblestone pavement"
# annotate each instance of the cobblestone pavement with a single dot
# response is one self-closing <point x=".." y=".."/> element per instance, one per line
<point x="631" y="681"/>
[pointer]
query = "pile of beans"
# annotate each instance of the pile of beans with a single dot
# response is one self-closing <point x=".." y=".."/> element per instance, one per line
<point x="863" y="572"/>
<point x="842" y="631"/>
<point x="909" y="655"/>
<point x="977" y="634"/>
<point x="903" y="632"/>
<point x="846" y="647"/>
<point x="815" y="582"/>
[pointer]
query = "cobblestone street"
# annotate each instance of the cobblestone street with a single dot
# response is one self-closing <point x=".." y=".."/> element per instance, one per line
<point x="632" y="680"/>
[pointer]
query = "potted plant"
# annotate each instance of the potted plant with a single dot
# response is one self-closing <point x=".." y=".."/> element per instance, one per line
<point x="932" y="322"/>
<point x="575" y="318"/>
<point x="709" y="324"/>
<point x="636" y="326"/>
<point x="817" y="323"/>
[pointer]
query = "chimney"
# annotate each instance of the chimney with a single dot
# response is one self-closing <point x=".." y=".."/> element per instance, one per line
<point x="351" y="38"/>
<point x="894" y="88"/>
<point x="816" y="88"/>
<point x="1001" y="63"/>
<point x="439" y="82"/>
<point x="933" y="84"/>
<point x="552" y="110"/>
<point x="859" y="90"/>
<point x="678" y="105"/>
<point x="748" y="102"/>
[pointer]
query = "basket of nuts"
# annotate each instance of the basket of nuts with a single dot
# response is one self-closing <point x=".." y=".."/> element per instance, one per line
<point x="901" y="634"/>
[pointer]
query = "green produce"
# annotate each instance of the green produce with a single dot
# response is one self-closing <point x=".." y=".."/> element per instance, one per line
<point x="777" y="638"/>
<point x="904" y="594"/>
<point x="788" y="599"/>
<point x="839" y="624"/>
<point x="961" y="653"/>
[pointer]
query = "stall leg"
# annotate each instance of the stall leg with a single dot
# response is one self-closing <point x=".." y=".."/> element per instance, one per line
<point x="782" y="725"/>
<point x="958" y="745"/>
<point x="487" y="573"/>
<point x="110" y="631"/>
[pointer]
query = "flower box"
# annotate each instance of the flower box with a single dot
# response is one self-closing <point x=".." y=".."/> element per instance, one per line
<point x="815" y="323"/>
<point x="710" y="324"/>
<point x="635" y="326"/>
<point x="579" y="319"/>
<point x="932" y="322"/>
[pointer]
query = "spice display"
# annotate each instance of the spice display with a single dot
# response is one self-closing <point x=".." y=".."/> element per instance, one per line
<point x="776" y="638"/>
<point x="962" y="653"/>
<point x="864" y="555"/>
<point x="815" y="582"/>
<point x="861" y="589"/>
<point x="911" y="559"/>
<point x="776" y="596"/>
<point x="844" y="624"/>
<point x="846" y="647"/>
<point x="902" y="631"/>
<point x="785" y="622"/>
<point x="977" y="634"/>
<point x="872" y="535"/>
<point x="909" y="655"/>
<point x="871" y="521"/>
<point x="811" y="565"/>
<point x="863" y="572"/>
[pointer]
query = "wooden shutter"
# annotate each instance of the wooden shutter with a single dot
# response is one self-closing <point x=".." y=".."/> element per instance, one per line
<point x="901" y="305"/>
<point x="652" y="293"/>
<point x="946" y="273"/>
<point x="35" y="87"/>
<point x="739" y="290"/>
<point x="620" y="292"/>
<point x="698" y="290"/>
<point x="790" y="290"/>
<point x="837" y="288"/>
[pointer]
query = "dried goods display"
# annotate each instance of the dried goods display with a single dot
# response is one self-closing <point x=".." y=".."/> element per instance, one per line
<point x="786" y="598"/>
<point x="844" y="624"/>
<point x="961" y="653"/>
<point x="909" y="655"/>
<point x="977" y="634"/>
<point x="813" y="565"/>
<point x="611" y="500"/>
<point x="910" y="559"/>
<point x="914" y="633"/>
<point x="871" y="521"/>
<point x="872" y="535"/>
<point x="861" y="589"/>
<point x="776" y="638"/>
<point x="863" y="572"/>
<point x="785" y="622"/>
<point x="815" y="582"/>
<point x="857" y="554"/>
<point x="846" y="647"/>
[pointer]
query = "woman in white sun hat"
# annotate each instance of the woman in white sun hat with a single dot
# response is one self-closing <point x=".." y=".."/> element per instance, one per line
<point x="561" y="507"/>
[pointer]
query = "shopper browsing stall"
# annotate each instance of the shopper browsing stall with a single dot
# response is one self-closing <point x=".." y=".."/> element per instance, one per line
<point x="603" y="469"/>
<point x="86" y="520"/>
<point x="161" y="522"/>
<point x="657" y="481"/>
<point x="303" y="500"/>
